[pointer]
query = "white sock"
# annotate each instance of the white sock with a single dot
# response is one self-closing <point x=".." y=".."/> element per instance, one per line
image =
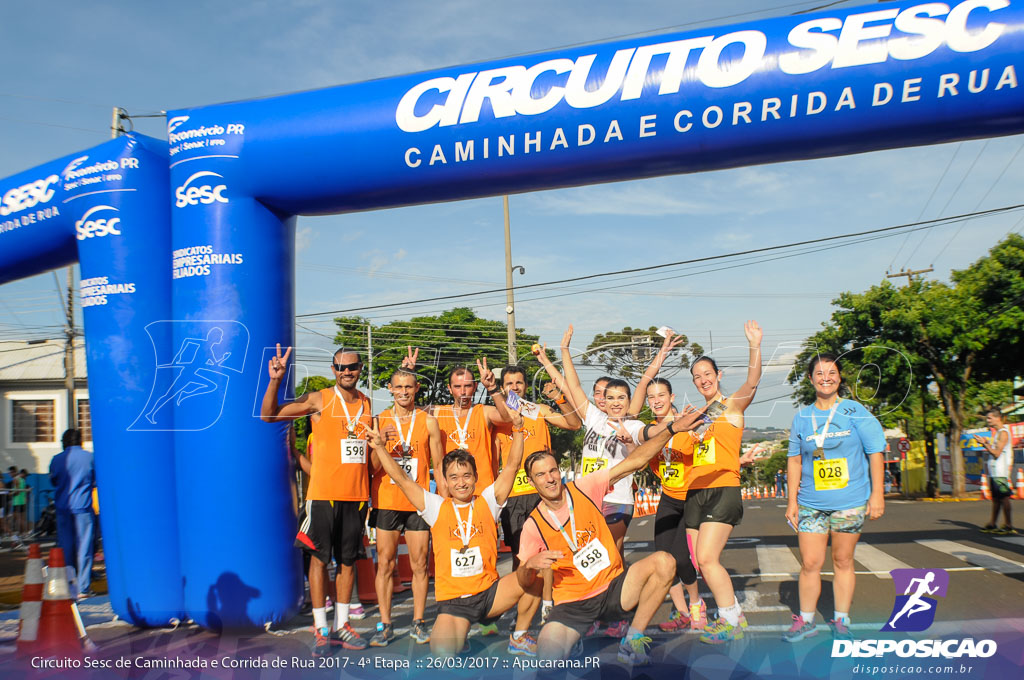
<point x="731" y="613"/>
<point x="808" y="617"/>
<point x="319" y="617"/>
<point x="518" y="634"/>
<point x="841" y="616"/>
<point x="340" y="615"/>
<point x="547" y="603"/>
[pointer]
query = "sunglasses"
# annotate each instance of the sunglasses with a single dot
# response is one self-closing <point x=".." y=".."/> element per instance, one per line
<point x="348" y="367"/>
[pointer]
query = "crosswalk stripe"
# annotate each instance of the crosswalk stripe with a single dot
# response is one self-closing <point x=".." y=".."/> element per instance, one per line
<point x="777" y="562"/>
<point x="1016" y="540"/>
<point x="972" y="555"/>
<point x="877" y="561"/>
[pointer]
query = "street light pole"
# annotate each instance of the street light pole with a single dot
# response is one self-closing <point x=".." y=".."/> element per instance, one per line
<point x="510" y="309"/>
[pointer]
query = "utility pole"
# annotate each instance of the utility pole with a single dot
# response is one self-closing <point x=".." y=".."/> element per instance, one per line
<point x="909" y="273"/>
<point x="510" y="307"/>
<point x="369" y="361"/>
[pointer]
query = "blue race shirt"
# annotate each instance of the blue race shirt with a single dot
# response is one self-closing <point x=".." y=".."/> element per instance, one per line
<point x="853" y="434"/>
<point x="71" y="473"/>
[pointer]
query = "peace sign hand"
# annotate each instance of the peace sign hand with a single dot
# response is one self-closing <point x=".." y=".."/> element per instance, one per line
<point x="486" y="375"/>
<point x="621" y="433"/>
<point x="551" y="391"/>
<point x="373" y="436"/>
<point x="278" y="365"/>
<point x="409" y="362"/>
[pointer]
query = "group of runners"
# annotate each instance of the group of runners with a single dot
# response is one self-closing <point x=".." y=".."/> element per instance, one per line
<point x="494" y="464"/>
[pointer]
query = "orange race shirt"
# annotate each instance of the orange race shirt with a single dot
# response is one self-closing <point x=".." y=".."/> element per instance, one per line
<point x="478" y="563"/>
<point x="386" y="494"/>
<point x="477" y="439"/>
<point x="673" y="465"/>
<point x="340" y="465"/>
<point x="538" y="438"/>
<point x="569" y="584"/>
<point x="716" y="455"/>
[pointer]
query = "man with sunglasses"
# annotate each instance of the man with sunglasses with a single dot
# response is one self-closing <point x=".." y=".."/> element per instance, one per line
<point x="339" y="486"/>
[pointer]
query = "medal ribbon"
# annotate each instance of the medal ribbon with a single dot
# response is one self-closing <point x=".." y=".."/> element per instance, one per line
<point x="350" y="425"/>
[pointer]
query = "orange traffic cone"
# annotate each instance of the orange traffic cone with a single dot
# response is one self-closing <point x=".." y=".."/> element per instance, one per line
<point x="986" y="494"/>
<point x="58" y="634"/>
<point x="31" y="602"/>
<point x="1020" y="484"/>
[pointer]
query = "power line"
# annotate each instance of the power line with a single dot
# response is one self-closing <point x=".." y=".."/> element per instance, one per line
<point x="710" y="258"/>
<point x="928" y="202"/>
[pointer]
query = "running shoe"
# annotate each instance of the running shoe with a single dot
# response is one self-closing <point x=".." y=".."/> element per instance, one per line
<point x="699" y="616"/>
<point x="840" y="630"/>
<point x="524" y="646"/>
<point x="321" y="643"/>
<point x="356" y="611"/>
<point x="385" y="634"/>
<point x="635" y="650"/>
<point x="677" y="622"/>
<point x="800" y="629"/>
<point x="489" y="629"/>
<point x="1006" y="531"/>
<point x="594" y="629"/>
<point x="348" y="638"/>
<point x="617" y="630"/>
<point x="722" y="631"/>
<point x="989" y="529"/>
<point x="419" y="632"/>
<point x="545" y="612"/>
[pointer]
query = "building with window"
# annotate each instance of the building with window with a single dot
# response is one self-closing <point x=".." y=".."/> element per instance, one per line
<point x="33" y="413"/>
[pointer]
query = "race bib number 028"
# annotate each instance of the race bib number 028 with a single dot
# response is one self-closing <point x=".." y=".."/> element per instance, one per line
<point x="831" y="474"/>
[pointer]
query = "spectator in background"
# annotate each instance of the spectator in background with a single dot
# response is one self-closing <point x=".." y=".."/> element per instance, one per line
<point x="19" y="520"/>
<point x="72" y="476"/>
<point x="999" y="467"/>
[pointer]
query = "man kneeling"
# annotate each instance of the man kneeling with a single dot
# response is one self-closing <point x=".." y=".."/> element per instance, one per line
<point x="568" y="533"/>
<point x="464" y="533"/>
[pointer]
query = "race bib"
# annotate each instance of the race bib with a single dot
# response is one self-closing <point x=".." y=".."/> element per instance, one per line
<point x="704" y="452"/>
<point x="830" y="474"/>
<point x="671" y="474"/>
<point x="592" y="559"/>
<point x="409" y="466"/>
<point x="353" y="452"/>
<point x="468" y="563"/>
<point x="591" y="465"/>
<point x="522" y="483"/>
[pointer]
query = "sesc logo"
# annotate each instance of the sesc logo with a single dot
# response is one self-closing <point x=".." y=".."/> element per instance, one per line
<point x="205" y="194"/>
<point x="87" y="227"/>
<point x="27" y="195"/>
<point x="69" y="171"/>
<point x="914" y="610"/>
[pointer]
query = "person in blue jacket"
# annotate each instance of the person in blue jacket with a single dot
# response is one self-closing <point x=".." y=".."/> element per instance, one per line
<point x="72" y="476"/>
<point x="835" y="473"/>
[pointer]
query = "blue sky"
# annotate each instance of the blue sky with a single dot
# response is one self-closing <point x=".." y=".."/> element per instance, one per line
<point x="69" y="63"/>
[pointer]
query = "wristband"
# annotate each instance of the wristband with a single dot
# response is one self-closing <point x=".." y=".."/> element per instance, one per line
<point x="561" y="400"/>
<point x="494" y="391"/>
<point x="669" y="428"/>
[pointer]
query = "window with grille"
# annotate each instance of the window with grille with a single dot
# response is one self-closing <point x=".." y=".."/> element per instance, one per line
<point x="85" y="419"/>
<point x="32" y="420"/>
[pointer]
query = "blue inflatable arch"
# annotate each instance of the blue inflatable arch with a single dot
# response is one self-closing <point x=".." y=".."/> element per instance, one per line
<point x="839" y="82"/>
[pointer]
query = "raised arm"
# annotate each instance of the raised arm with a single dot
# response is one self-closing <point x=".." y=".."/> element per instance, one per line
<point x="566" y="417"/>
<point x="641" y="455"/>
<point x="437" y="455"/>
<point x="741" y="399"/>
<point x="499" y="413"/>
<point x="270" y="410"/>
<point x="412" y="490"/>
<point x="636" y="404"/>
<point x="507" y="477"/>
<point x="573" y="389"/>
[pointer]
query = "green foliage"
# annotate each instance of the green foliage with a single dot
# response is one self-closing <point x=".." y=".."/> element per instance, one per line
<point x="455" y="338"/>
<point x="895" y="341"/>
<point x="619" y="353"/>
<point x="302" y="425"/>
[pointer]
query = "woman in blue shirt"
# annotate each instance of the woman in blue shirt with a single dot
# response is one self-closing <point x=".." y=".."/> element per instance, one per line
<point x="836" y="460"/>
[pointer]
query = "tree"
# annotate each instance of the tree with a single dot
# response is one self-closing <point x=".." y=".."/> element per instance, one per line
<point x="457" y="337"/>
<point x="895" y="342"/>
<point x="302" y="425"/>
<point x="627" y="353"/>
